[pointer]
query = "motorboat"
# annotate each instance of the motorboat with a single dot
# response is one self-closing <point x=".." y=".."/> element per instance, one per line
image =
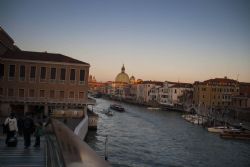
<point x="109" y="112"/>
<point x="117" y="107"/>
<point x="217" y="129"/>
<point x="153" y="108"/>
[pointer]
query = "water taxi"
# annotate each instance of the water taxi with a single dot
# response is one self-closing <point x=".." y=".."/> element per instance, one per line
<point x="117" y="107"/>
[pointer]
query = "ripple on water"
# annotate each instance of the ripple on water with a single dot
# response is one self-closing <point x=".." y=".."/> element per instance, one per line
<point x="143" y="138"/>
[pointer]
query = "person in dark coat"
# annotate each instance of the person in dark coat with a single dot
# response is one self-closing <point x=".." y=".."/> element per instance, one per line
<point x="20" y="126"/>
<point x="28" y="128"/>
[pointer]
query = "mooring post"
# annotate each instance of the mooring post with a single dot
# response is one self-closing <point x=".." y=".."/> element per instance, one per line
<point x="106" y="150"/>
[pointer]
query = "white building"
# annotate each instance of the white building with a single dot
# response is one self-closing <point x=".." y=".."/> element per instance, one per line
<point x="147" y="91"/>
<point x="176" y="91"/>
<point x="164" y="93"/>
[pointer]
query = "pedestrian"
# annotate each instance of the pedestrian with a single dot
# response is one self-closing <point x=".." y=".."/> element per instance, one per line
<point x="20" y="126"/>
<point x="10" y="126"/>
<point x="38" y="133"/>
<point x="28" y="128"/>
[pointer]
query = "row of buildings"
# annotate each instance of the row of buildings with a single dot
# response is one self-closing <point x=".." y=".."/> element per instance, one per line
<point x="210" y="94"/>
<point x="39" y="81"/>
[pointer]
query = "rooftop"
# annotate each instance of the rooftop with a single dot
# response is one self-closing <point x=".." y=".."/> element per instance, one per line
<point x="40" y="56"/>
<point x="181" y="85"/>
<point x="218" y="81"/>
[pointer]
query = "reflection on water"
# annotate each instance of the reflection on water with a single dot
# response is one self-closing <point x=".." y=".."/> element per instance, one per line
<point x="144" y="138"/>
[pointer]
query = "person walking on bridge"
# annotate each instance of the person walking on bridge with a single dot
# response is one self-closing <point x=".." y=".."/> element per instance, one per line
<point x="11" y="126"/>
<point x="28" y="128"/>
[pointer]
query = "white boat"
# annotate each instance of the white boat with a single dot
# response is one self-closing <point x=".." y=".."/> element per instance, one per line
<point x="153" y="108"/>
<point x="217" y="129"/>
<point x="108" y="112"/>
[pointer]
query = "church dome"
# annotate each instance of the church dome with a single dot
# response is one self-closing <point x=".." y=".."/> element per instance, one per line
<point x="122" y="76"/>
<point x="132" y="79"/>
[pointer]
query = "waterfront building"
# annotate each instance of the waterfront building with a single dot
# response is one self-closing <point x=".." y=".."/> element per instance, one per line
<point x="164" y="93"/>
<point x="144" y="89"/>
<point x="215" y="93"/>
<point x="171" y="93"/>
<point x="178" y="90"/>
<point x="242" y="101"/>
<point x="6" y="42"/>
<point x="154" y="94"/>
<point x="40" y="81"/>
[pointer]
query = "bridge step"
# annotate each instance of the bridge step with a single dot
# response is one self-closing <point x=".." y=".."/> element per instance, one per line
<point x="20" y="157"/>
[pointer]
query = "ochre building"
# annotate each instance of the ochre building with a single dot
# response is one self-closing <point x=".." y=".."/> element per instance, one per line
<point x="40" y="81"/>
<point x="215" y="93"/>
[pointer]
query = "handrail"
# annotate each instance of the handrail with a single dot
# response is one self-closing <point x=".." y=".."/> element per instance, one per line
<point x="82" y="128"/>
<point x="70" y="150"/>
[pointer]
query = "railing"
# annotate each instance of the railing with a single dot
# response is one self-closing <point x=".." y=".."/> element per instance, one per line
<point x="65" y="149"/>
<point x="82" y="129"/>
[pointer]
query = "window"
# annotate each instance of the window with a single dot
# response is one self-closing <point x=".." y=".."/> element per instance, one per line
<point x="71" y="94"/>
<point x="81" y="95"/>
<point x="61" y="94"/>
<point x="52" y="94"/>
<point x="22" y="72"/>
<point x="10" y="92"/>
<point x="1" y="91"/>
<point x="12" y="69"/>
<point x="32" y="72"/>
<point x="63" y="74"/>
<point x="31" y="93"/>
<point x="1" y="71"/>
<point x="53" y="73"/>
<point x="43" y="73"/>
<point x="21" y="93"/>
<point x="72" y="74"/>
<point x="175" y="91"/>
<point x="82" y="75"/>
<point x="42" y="93"/>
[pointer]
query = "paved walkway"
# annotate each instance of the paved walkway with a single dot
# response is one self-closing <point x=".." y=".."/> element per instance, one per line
<point x="20" y="157"/>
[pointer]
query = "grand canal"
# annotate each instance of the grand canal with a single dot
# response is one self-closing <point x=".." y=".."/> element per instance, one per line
<point x="143" y="138"/>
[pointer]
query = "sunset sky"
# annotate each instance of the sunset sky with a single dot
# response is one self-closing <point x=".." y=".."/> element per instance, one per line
<point x="185" y="40"/>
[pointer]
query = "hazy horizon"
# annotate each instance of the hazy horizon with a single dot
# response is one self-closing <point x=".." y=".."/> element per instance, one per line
<point x="159" y="40"/>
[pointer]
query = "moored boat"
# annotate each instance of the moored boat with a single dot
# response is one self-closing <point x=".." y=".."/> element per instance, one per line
<point x="117" y="107"/>
<point x="235" y="134"/>
<point x="153" y="108"/>
<point x="217" y="129"/>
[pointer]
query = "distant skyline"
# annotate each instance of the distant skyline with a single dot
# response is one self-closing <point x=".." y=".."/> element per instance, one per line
<point x="172" y="40"/>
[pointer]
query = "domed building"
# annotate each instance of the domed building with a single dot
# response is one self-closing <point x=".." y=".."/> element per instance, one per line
<point x="132" y="79"/>
<point x="122" y="77"/>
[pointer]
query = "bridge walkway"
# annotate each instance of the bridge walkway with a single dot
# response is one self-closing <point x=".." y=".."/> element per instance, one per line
<point x="20" y="157"/>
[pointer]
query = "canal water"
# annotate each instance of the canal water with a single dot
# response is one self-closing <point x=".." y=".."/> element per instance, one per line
<point x="144" y="138"/>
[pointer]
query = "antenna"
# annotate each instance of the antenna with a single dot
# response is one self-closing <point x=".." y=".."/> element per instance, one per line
<point x="237" y="77"/>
